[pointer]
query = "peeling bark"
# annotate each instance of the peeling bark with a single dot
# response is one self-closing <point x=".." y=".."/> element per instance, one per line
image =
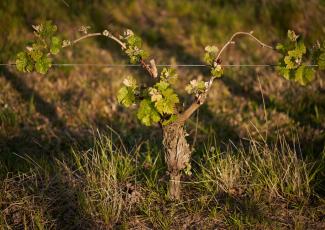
<point x="177" y="156"/>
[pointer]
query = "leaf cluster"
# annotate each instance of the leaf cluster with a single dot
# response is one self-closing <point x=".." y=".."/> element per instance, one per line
<point x="156" y="103"/>
<point x="295" y="61"/>
<point x="164" y="98"/>
<point x="127" y="94"/>
<point x="147" y="113"/>
<point x="196" y="87"/>
<point x="210" y="57"/>
<point x="38" y="54"/>
<point x="133" y="47"/>
<point x="318" y="55"/>
<point x="169" y="75"/>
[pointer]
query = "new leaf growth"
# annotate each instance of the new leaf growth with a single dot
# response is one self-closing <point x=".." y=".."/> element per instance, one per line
<point x="38" y="55"/>
<point x="296" y="63"/>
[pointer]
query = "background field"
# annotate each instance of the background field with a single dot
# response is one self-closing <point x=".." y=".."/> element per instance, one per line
<point x="72" y="158"/>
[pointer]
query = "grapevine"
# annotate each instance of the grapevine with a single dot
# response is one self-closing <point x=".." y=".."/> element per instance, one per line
<point x="159" y="103"/>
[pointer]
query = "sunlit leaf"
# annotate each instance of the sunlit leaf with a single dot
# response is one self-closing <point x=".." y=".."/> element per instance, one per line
<point x="24" y="63"/>
<point x="167" y="104"/>
<point x="321" y="61"/>
<point x="125" y="96"/>
<point x="47" y="29"/>
<point x="56" y="45"/>
<point x="147" y="113"/>
<point x="304" y="75"/>
<point x="36" y="53"/>
<point x="43" y="65"/>
<point x="169" y="75"/>
<point x="292" y="35"/>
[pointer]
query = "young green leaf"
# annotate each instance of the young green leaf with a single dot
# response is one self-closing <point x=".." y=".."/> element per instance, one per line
<point x="169" y="75"/>
<point x="155" y="95"/>
<point x="290" y="62"/>
<point x="134" y="59"/>
<point x="217" y="71"/>
<point x="162" y="85"/>
<point x="284" y="72"/>
<point x="21" y="61"/>
<point x="134" y="40"/>
<point x="133" y="47"/>
<point x="130" y="82"/>
<point x="210" y="54"/>
<point x="166" y="105"/>
<point x="47" y="29"/>
<point x="292" y="35"/>
<point x="196" y="87"/>
<point x="36" y="52"/>
<point x="321" y="61"/>
<point x="56" y="45"/>
<point x="125" y="96"/>
<point x="143" y="54"/>
<point x="300" y="47"/>
<point x="147" y="113"/>
<point x="304" y="75"/>
<point x="43" y="65"/>
<point x="281" y="48"/>
<point x="24" y="63"/>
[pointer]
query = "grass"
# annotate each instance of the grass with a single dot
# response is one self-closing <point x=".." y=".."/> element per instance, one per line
<point x="277" y="170"/>
<point x="106" y="187"/>
<point x="258" y="161"/>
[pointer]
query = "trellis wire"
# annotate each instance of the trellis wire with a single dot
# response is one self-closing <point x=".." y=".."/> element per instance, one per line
<point x="159" y="65"/>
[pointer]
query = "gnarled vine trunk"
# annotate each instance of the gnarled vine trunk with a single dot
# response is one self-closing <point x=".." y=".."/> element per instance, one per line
<point x="177" y="156"/>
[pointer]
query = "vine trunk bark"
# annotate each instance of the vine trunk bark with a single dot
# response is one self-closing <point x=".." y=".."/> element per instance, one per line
<point x="177" y="156"/>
